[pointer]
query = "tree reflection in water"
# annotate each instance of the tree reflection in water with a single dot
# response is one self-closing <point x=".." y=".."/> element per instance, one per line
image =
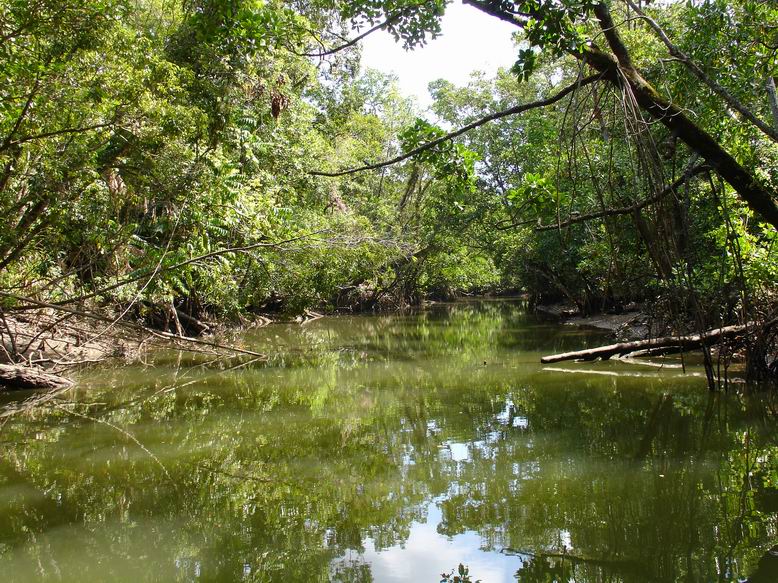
<point x="360" y="433"/>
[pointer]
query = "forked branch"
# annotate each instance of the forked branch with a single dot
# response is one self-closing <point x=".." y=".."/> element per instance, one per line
<point x="695" y="69"/>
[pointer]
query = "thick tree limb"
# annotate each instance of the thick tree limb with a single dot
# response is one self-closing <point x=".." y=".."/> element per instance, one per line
<point x="655" y="345"/>
<point x="611" y="33"/>
<point x="772" y="95"/>
<point x="757" y="195"/>
<point x="731" y="100"/>
<point x="516" y="109"/>
<point x="24" y="377"/>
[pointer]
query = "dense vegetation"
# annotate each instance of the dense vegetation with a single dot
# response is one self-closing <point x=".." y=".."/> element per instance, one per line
<point x="225" y="157"/>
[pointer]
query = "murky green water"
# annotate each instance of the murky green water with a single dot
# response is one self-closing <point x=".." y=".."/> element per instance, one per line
<point x="392" y="448"/>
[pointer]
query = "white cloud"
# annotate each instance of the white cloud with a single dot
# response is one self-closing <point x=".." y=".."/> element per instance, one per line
<point x="470" y="41"/>
<point x="426" y="554"/>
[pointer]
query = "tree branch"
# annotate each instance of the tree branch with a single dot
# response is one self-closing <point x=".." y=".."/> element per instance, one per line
<point x="471" y="126"/>
<point x="7" y="141"/>
<point x="165" y="269"/>
<point x="31" y="138"/>
<point x="731" y="100"/>
<point x="760" y="197"/>
<point x="613" y="37"/>
<point x="627" y="210"/>
<point x="353" y="41"/>
<point x="773" y="98"/>
<point x="509" y="17"/>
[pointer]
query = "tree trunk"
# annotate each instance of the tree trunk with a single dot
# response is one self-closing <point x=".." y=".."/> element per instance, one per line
<point x="13" y="377"/>
<point x="617" y="69"/>
<point x="655" y="345"/>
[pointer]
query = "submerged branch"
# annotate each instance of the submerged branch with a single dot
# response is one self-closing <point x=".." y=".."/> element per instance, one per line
<point x="25" y="377"/>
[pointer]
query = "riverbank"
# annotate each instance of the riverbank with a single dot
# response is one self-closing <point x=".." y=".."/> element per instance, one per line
<point x="632" y="324"/>
<point x="43" y="348"/>
<point x="53" y="340"/>
<point x="374" y="441"/>
<point x="45" y="342"/>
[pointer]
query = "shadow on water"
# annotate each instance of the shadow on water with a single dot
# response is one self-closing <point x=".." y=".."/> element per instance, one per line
<point x="392" y="448"/>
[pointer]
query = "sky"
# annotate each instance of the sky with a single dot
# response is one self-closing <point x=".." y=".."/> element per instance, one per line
<point x="471" y="40"/>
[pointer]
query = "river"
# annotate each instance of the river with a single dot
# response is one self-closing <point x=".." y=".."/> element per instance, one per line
<point x="392" y="448"/>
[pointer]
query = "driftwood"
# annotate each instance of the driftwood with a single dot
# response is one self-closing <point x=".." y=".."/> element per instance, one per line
<point x="23" y="377"/>
<point x="655" y="345"/>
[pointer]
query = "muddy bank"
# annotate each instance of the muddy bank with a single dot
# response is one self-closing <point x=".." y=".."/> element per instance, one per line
<point x="41" y="349"/>
<point x="55" y="341"/>
<point x="44" y="348"/>
<point x="632" y="324"/>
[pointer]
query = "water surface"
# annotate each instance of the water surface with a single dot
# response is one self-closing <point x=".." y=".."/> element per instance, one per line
<point x="393" y="448"/>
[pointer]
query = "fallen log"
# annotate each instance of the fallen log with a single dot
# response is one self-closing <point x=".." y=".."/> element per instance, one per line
<point x="655" y="345"/>
<point x="193" y="325"/>
<point x="13" y="377"/>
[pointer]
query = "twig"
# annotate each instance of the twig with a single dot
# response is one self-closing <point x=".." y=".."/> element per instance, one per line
<point x="124" y="432"/>
<point x="350" y="43"/>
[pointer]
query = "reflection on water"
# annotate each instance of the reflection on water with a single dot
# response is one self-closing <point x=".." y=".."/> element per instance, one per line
<point x="425" y="554"/>
<point x="392" y="448"/>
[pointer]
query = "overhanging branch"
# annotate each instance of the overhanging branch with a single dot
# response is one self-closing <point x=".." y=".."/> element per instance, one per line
<point x="759" y="196"/>
<point x="676" y="52"/>
<point x="148" y="275"/>
<point x="353" y="41"/>
<point x="628" y="210"/>
<point x="516" y="109"/>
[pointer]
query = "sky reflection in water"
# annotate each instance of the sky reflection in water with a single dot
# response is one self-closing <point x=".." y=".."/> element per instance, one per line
<point x="392" y="448"/>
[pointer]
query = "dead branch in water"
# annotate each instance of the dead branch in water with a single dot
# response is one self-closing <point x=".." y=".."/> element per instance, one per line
<point x="655" y="345"/>
<point x="25" y="377"/>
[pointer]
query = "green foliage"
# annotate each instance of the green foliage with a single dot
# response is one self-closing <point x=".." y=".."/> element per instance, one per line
<point x="459" y="575"/>
<point x="189" y="133"/>
<point x="168" y="148"/>
<point x="555" y="26"/>
<point x="449" y="160"/>
<point x="411" y="22"/>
